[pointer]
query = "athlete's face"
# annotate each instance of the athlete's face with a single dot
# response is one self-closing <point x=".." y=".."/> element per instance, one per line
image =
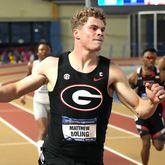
<point x="43" y="51"/>
<point x="91" y="34"/>
<point x="149" y="59"/>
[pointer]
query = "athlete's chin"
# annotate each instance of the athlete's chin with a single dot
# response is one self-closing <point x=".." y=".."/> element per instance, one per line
<point x="97" y="48"/>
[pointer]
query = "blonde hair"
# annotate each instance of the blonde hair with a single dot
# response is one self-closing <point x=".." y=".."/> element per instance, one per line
<point x="82" y="16"/>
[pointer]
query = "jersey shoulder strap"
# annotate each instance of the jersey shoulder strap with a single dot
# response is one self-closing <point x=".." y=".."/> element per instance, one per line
<point x="139" y="69"/>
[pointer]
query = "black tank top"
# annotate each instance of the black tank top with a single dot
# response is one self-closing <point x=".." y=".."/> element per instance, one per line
<point x="142" y="79"/>
<point x="80" y="109"/>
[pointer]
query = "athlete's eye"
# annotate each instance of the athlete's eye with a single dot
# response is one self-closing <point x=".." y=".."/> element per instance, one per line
<point x="94" y="28"/>
<point x="103" y="29"/>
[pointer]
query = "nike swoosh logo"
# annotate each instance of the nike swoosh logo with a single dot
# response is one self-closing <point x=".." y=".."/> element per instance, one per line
<point x="97" y="79"/>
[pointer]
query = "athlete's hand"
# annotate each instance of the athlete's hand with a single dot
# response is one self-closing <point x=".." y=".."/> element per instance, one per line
<point x="155" y="92"/>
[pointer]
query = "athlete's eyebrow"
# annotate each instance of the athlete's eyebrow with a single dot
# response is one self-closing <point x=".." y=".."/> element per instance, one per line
<point x="97" y="27"/>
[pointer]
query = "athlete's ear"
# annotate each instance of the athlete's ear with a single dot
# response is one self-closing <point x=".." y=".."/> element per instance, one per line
<point x="76" y="34"/>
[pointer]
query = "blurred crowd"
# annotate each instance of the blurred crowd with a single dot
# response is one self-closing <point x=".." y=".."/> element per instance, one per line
<point x="16" y="55"/>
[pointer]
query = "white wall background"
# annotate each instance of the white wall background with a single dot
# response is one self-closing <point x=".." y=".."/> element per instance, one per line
<point x="117" y="38"/>
<point x="25" y="9"/>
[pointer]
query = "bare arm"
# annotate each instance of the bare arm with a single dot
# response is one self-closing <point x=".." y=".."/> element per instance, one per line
<point x="129" y="97"/>
<point x="132" y="79"/>
<point x="161" y="64"/>
<point x="29" y="72"/>
<point x="20" y="88"/>
<point x="41" y="75"/>
<point x="29" y="68"/>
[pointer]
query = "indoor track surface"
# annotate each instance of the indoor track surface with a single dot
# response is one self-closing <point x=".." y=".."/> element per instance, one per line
<point x="19" y="131"/>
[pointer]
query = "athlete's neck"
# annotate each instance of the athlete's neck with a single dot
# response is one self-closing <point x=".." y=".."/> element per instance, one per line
<point x="83" y="62"/>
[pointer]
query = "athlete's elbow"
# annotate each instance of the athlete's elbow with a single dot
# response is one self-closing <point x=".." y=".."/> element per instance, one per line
<point x="144" y="115"/>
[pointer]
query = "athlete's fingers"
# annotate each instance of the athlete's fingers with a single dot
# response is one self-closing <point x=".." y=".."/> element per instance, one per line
<point x="161" y="94"/>
<point x="155" y="92"/>
<point x="148" y="86"/>
<point x="155" y="88"/>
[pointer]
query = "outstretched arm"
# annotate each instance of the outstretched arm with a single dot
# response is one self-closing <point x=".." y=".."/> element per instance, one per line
<point x="29" y="72"/>
<point x="22" y="87"/>
<point x="41" y="75"/>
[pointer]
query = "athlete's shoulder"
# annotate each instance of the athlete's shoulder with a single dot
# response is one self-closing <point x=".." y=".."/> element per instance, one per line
<point x="34" y="62"/>
<point x="139" y="70"/>
<point x="104" y="58"/>
<point x="63" y="54"/>
<point x="54" y="59"/>
<point x="51" y="59"/>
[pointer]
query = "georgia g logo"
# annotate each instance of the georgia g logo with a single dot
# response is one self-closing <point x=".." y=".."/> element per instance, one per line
<point x="82" y="97"/>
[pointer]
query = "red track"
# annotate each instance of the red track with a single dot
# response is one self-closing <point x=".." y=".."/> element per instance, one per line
<point x="25" y="122"/>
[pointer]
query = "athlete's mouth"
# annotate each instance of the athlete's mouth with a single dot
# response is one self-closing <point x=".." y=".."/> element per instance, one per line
<point x="98" y="40"/>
